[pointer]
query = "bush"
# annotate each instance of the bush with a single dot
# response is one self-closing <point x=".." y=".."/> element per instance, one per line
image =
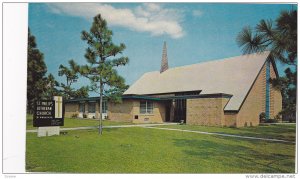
<point x="278" y="118"/>
<point x="74" y="115"/>
<point x="262" y="117"/>
<point x="288" y="117"/>
<point x="271" y="121"/>
<point x="84" y="116"/>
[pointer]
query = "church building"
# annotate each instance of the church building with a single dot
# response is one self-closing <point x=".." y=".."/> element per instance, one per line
<point x="226" y="92"/>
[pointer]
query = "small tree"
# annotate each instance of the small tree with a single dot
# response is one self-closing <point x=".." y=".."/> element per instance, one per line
<point x="71" y="75"/>
<point x="101" y="57"/>
<point x="36" y="71"/>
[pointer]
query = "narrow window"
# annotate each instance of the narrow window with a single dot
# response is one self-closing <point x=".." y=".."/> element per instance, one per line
<point x="149" y="107"/>
<point x="143" y="105"/>
<point x="104" y="107"/>
<point x="92" y="107"/>
<point x="81" y="108"/>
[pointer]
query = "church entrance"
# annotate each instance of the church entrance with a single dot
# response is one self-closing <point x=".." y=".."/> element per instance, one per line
<point x="168" y="113"/>
<point x="180" y="110"/>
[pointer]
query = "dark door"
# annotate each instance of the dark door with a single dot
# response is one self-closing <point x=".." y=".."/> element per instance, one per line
<point x="167" y="113"/>
<point x="180" y="110"/>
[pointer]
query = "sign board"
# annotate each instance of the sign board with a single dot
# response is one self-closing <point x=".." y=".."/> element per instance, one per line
<point x="48" y="112"/>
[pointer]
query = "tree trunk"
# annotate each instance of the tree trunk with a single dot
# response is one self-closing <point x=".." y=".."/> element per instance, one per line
<point x="100" y="109"/>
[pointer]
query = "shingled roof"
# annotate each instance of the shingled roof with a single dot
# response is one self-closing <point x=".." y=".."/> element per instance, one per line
<point x="234" y="75"/>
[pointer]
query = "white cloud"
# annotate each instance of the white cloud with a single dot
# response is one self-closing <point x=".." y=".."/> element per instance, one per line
<point x="149" y="17"/>
<point x="197" y="13"/>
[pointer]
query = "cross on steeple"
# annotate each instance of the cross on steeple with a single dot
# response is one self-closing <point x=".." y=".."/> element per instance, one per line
<point x="164" y="60"/>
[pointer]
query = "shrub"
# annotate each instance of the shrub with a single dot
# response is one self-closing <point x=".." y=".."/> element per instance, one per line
<point x="232" y="126"/>
<point x="262" y="117"/>
<point x="278" y="118"/>
<point x="271" y="121"/>
<point x="74" y="115"/>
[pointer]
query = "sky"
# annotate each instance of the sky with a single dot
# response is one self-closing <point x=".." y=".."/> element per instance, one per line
<point x="194" y="32"/>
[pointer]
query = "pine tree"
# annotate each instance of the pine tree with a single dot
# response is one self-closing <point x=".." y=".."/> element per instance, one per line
<point x="36" y="70"/>
<point x="52" y="86"/>
<point x="71" y="75"/>
<point x="102" y="61"/>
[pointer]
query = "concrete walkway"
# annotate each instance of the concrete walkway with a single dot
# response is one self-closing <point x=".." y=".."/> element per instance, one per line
<point x="281" y="123"/>
<point x="108" y="127"/>
<point x="224" y="135"/>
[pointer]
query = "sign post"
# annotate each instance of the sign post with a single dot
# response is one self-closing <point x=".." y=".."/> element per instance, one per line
<point x="48" y="116"/>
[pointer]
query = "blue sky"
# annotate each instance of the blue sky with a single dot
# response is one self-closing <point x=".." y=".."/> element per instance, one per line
<point x="194" y="32"/>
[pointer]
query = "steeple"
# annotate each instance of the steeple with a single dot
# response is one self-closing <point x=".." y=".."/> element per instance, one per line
<point x="164" y="60"/>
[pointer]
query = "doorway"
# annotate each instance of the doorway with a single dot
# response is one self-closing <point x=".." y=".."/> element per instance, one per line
<point x="168" y="113"/>
<point x="180" y="110"/>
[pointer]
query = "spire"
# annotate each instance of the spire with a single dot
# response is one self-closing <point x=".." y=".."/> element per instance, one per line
<point x="164" y="60"/>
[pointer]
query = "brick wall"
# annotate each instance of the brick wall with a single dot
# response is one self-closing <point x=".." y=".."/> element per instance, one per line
<point x="158" y="115"/>
<point x="206" y="111"/>
<point x="275" y="97"/>
<point x="127" y="111"/>
<point x="70" y="109"/>
<point x="224" y="120"/>
<point x="120" y="111"/>
<point x="230" y="119"/>
<point x="254" y="103"/>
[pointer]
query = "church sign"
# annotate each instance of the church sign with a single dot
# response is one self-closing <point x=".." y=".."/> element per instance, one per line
<point x="48" y="113"/>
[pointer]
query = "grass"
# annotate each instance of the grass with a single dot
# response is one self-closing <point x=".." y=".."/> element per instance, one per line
<point x="76" y="122"/>
<point x="146" y="150"/>
<point x="277" y="131"/>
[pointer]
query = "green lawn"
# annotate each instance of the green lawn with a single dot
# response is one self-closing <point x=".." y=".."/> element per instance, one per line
<point x="76" y="122"/>
<point x="145" y="150"/>
<point x="277" y="131"/>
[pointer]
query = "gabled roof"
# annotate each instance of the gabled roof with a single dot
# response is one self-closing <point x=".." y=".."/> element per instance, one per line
<point x="234" y="75"/>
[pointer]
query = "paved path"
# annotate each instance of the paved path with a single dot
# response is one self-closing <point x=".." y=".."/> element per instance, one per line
<point x="117" y="126"/>
<point x="224" y="135"/>
<point x="280" y="123"/>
